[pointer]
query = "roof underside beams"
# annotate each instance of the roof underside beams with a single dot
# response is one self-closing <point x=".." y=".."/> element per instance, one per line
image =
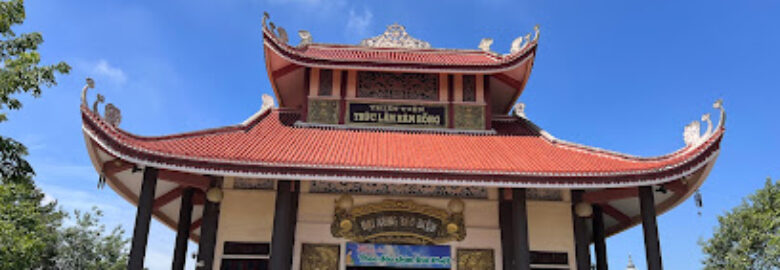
<point x="126" y="178"/>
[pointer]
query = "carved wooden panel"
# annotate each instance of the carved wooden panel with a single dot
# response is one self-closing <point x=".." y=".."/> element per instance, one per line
<point x="469" y="117"/>
<point x="383" y="85"/>
<point x="476" y="259"/>
<point x="320" y="257"/>
<point x="323" y="111"/>
<point x="326" y="83"/>
<point x="470" y="88"/>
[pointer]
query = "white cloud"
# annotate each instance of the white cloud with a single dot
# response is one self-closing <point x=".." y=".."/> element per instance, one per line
<point x="102" y="70"/>
<point x="358" y="23"/>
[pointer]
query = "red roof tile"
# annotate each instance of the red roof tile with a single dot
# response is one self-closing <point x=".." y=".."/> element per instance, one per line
<point x="517" y="148"/>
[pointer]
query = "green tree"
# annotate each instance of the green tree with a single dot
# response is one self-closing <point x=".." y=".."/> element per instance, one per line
<point x="20" y="71"/>
<point x="85" y="245"/>
<point x="28" y="228"/>
<point x="748" y="237"/>
<point x="30" y="234"/>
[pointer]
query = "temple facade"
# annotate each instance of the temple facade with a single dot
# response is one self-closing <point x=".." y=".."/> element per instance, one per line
<point x="391" y="154"/>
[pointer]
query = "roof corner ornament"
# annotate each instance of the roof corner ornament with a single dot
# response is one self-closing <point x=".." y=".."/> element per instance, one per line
<point x="306" y="38"/>
<point x="282" y="34"/>
<point x="485" y="43"/>
<point x="268" y="102"/>
<point x="519" y="110"/>
<point x="100" y="99"/>
<point x="266" y="16"/>
<point x="275" y="31"/>
<point x="520" y="43"/>
<point x="395" y="36"/>
<point x="90" y="84"/>
<point x="692" y="133"/>
<point x="719" y="105"/>
<point x="536" y="32"/>
<point x="112" y="115"/>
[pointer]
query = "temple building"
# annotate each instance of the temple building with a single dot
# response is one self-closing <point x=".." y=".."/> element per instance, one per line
<point x="391" y="154"/>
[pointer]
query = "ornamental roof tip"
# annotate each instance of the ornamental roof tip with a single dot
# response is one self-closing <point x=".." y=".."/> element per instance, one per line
<point x="111" y="113"/>
<point x="395" y="36"/>
<point x="692" y="135"/>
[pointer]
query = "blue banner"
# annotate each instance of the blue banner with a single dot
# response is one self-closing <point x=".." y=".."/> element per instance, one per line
<point x="402" y="256"/>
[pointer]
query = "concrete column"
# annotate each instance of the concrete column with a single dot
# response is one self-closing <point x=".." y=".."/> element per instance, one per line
<point x="183" y="229"/>
<point x="142" y="220"/>
<point x="284" y="226"/>
<point x="599" y="238"/>
<point x="581" y="239"/>
<point x="650" y="228"/>
<point x="521" y="252"/>
<point x="208" y="235"/>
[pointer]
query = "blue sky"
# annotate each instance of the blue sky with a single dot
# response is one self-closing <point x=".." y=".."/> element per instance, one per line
<point x="622" y="76"/>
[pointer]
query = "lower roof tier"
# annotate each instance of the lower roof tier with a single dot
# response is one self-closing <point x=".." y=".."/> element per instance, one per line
<point x="518" y="154"/>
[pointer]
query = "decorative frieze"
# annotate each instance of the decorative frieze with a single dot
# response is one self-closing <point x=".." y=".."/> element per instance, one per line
<point x="249" y="183"/>
<point x="537" y="194"/>
<point x="320" y="256"/>
<point x="469" y="88"/>
<point x="469" y="117"/>
<point x="326" y="83"/>
<point x="476" y="259"/>
<point x="323" y="111"/>
<point x="398" y="190"/>
<point x="409" y="86"/>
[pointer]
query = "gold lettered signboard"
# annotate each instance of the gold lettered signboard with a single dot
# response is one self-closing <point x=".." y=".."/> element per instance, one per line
<point x="398" y="114"/>
<point x="398" y="221"/>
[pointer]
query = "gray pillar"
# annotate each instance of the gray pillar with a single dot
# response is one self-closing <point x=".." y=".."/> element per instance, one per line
<point x="142" y="219"/>
<point x="183" y="230"/>
<point x="208" y="235"/>
<point x="284" y="227"/>
<point x="599" y="238"/>
<point x="521" y="252"/>
<point x="650" y="228"/>
<point x="581" y="239"/>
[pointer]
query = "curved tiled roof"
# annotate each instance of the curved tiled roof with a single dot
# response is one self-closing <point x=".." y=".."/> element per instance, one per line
<point x="516" y="153"/>
<point x="346" y="56"/>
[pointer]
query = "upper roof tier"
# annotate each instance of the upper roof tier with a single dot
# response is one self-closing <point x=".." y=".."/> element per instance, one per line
<point x="395" y="51"/>
<point x="519" y="154"/>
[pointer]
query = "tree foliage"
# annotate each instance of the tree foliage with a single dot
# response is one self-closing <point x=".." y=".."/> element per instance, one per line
<point x="31" y="232"/>
<point x="13" y="167"/>
<point x="28" y="228"/>
<point x="748" y="237"/>
<point x="85" y="245"/>
<point x="20" y="71"/>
